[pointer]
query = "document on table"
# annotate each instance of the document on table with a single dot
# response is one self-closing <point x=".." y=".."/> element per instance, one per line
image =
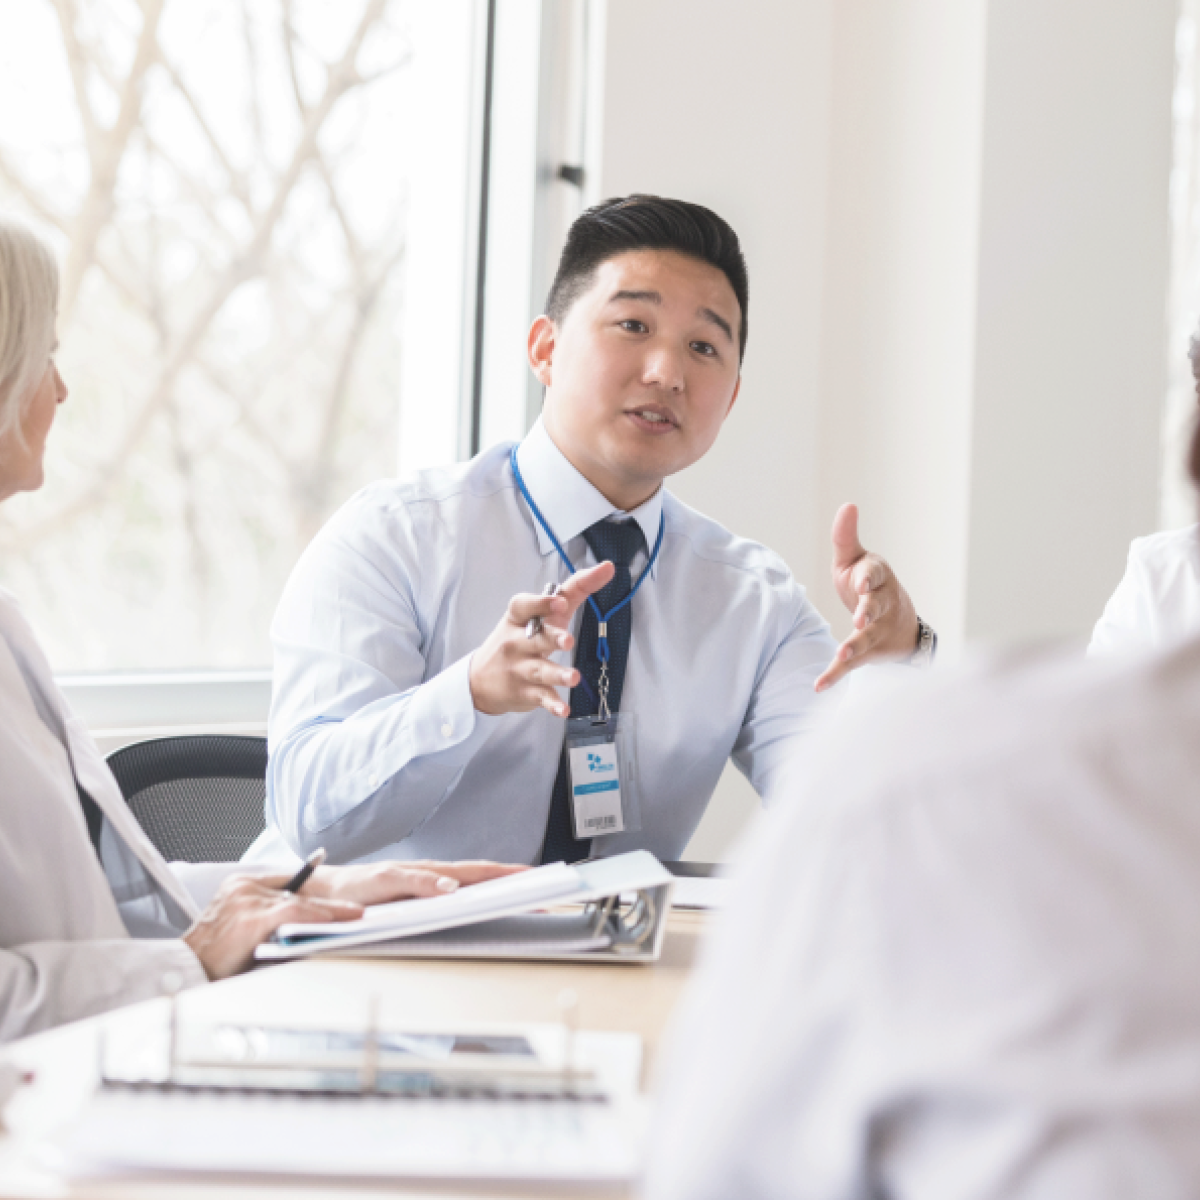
<point x="551" y="884"/>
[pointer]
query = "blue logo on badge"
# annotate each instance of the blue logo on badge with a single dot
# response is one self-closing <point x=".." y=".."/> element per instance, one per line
<point x="596" y="763"/>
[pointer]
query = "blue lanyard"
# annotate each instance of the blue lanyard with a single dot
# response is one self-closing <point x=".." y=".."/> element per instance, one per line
<point x="602" y="619"/>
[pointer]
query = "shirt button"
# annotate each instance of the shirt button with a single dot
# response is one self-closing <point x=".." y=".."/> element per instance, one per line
<point x="447" y="729"/>
<point x="373" y="780"/>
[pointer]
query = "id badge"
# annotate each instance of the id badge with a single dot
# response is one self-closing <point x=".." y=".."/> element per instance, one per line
<point x="600" y="774"/>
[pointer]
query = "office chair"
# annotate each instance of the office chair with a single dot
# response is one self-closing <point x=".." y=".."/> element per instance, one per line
<point x="199" y="799"/>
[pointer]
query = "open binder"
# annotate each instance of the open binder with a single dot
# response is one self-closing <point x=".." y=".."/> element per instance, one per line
<point x="609" y="910"/>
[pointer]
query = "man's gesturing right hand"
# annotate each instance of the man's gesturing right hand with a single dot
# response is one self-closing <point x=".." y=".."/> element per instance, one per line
<point x="513" y="673"/>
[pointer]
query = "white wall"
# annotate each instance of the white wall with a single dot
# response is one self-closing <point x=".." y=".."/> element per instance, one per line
<point x="1072" y="333"/>
<point x="955" y="215"/>
<point x="897" y="351"/>
<point x="727" y="105"/>
<point x="995" y="342"/>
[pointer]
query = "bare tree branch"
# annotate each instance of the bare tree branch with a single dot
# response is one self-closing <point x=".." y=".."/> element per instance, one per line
<point x="314" y="485"/>
<point x="367" y="80"/>
<point x="289" y="43"/>
<point x="107" y="152"/>
<point x="266" y="438"/>
<point x="77" y="64"/>
<point x="341" y="79"/>
<point x="32" y="198"/>
<point x="63" y="224"/>
<point x="254" y="75"/>
<point x="238" y="184"/>
<point x="207" y="201"/>
<point x="199" y="561"/>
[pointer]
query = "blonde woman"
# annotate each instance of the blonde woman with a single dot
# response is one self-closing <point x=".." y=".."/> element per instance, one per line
<point x="91" y="916"/>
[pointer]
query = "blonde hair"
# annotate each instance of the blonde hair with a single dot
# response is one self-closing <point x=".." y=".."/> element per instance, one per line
<point x="28" y="302"/>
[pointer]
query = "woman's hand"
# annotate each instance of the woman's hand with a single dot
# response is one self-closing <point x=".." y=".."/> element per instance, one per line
<point x="245" y="912"/>
<point x="381" y="882"/>
<point x="248" y="908"/>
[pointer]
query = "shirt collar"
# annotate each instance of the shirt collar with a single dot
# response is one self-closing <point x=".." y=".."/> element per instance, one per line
<point x="567" y="500"/>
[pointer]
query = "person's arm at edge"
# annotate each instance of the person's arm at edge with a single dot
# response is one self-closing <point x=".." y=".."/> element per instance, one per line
<point x="1123" y="624"/>
<point x="44" y="984"/>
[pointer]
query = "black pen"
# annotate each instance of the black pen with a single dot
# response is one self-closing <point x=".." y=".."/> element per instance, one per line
<point x="302" y="876"/>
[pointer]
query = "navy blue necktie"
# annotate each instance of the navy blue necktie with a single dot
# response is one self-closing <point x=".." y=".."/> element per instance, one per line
<point x="618" y="544"/>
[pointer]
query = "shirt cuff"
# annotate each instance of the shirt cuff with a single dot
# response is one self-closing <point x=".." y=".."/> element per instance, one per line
<point x="442" y="714"/>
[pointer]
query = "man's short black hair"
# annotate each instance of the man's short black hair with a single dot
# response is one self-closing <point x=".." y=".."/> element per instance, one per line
<point x="641" y="222"/>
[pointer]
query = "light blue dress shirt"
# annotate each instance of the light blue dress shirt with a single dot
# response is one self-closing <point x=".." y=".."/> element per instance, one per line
<point x="377" y="750"/>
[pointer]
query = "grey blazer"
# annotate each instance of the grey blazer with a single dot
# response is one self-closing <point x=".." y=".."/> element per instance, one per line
<point x="78" y="935"/>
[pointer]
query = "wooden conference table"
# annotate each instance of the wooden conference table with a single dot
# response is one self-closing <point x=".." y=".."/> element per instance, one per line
<point x="335" y="993"/>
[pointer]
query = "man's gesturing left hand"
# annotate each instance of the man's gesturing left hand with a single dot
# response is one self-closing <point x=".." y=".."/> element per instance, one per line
<point x="885" y="621"/>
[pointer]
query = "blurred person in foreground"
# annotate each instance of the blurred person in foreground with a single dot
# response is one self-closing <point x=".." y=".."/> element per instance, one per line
<point x="964" y="961"/>
<point x="1157" y="601"/>
<point x="91" y="916"/>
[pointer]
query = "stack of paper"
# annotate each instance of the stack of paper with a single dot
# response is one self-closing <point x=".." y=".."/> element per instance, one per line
<point x="497" y="897"/>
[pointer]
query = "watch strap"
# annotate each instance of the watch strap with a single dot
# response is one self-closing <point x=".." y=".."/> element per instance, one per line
<point x="926" y="650"/>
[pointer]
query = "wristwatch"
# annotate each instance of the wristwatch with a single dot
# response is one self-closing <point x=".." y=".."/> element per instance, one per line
<point x="926" y="650"/>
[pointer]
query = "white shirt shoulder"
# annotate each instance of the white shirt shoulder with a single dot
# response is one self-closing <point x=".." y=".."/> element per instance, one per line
<point x="390" y="531"/>
<point x="710" y="540"/>
<point x="1157" y="601"/>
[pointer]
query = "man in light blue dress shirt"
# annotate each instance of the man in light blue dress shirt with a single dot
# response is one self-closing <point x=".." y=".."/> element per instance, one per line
<point x="413" y="714"/>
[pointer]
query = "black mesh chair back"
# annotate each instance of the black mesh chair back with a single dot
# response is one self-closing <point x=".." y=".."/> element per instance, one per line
<point x="199" y="799"/>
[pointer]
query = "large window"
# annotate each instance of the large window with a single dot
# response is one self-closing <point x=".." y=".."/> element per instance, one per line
<point x="271" y="218"/>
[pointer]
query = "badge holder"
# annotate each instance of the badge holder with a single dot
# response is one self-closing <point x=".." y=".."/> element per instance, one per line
<point x="601" y="776"/>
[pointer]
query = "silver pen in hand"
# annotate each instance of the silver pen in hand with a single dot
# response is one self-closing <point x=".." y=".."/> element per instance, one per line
<point x="535" y="626"/>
